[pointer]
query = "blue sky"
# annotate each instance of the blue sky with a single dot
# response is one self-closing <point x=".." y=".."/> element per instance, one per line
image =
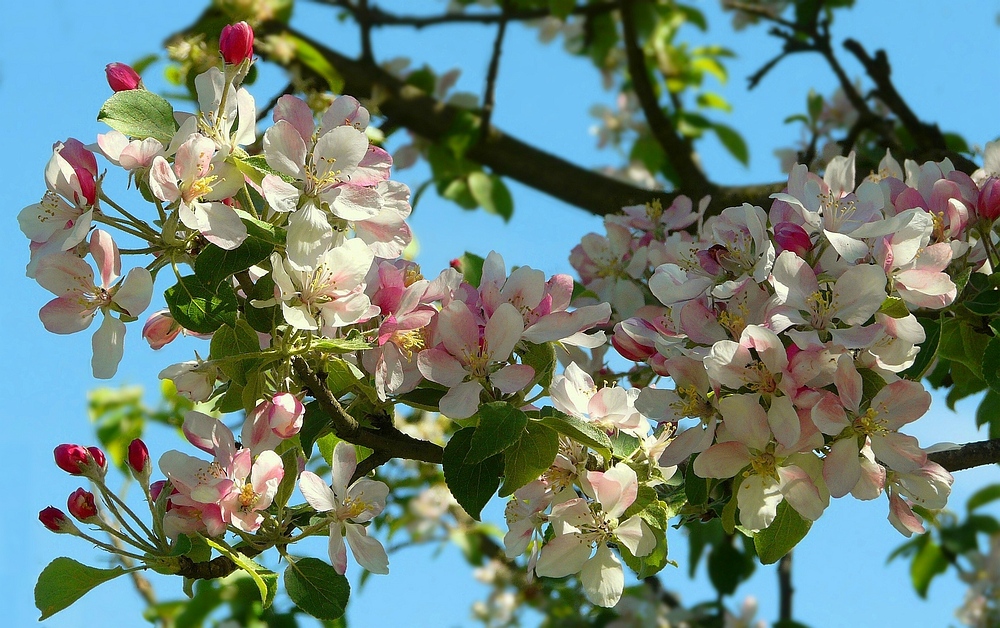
<point x="52" y="54"/>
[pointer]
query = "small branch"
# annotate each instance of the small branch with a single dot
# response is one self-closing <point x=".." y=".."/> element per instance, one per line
<point x="678" y="151"/>
<point x="363" y="15"/>
<point x="271" y="104"/>
<point x="491" y="77"/>
<point x="785" y="588"/>
<point x="384" y="439"/>
<point x="968" y="456"/>
<point x="377" y="18"/>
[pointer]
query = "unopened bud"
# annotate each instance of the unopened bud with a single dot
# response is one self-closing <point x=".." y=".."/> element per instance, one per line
<point x="138" y="460"/>
<point x="635" y="339"/>
<point x="285" y="415"/>
<point x="81" y="504"/>
<point x="236" y="43"/>
<point x="791" y="237"/>
<point x="56" y="520"/>
<point x="155" y="488"/>
<point x="71" y="458"/>
<point x="988" y="204"/>
<point x="99" y="459"/>
<point x="160" y="329"/>
<point x="121" y="77"/>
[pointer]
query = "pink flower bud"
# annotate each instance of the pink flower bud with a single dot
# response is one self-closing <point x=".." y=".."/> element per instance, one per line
<point x="55" y="520"/>
<point x="285" y="415"/>
<point x="160" y="329"/>
<point x="155" y="488"/>
<point x="71" y="458"/>
<point x="988" y="204"/>
<point x="634" y="339"/>
<point x="99" y="458"/>
<point x="791" y="237"/>
<point x="121" y="77"/>
<point x="456" y="264"/>
<point x="138" y="459"/>
<point x="236" y="43"/>
<point x="81" y="505"/>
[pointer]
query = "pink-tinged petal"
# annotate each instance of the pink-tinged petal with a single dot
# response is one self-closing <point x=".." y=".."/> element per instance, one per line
<point x="503" y="330"/>
<point x="636" y="535"/>
<point x="256" y="432"/>
<point x="692" y="440"/>
<point x="616" y="488"/>
<point x="901" y="402"/>
<point x="351" y="202"/>
<point x="279" y="194"/>
<point x="345" y="461"/>
<point x="603" y="578"/>
<point x="64" y="273"/>
<point x="902" y="518"/>
<point x="723" y="460"/>
<point x="348" y="264"/>
<point x="800" y="491"/>
<point x="849" y="383"/>
<point x="296" y="112"/>
<point x="439" y="366"/>
<point x="267" y="469"/>
<point x="461" y="401"/>
<point x="562" y="556"/>
<point x="285" y="149"/>
<point x="794" y="281"/>
<point x="201" y="431"/>
<point x="859" y="293"/>
<point x="842" y="467"/>
<point x="66" y="315"/>
<point x="725" y="363"/>
<point x="458" y="329"/>
<point x="345" y="111"/>
<point x="140" y="154"/>
<point x="194" y="157"/>
<point x="135" y="291"/>
<point x="784" y="421"/>
<point x="758" y="498"/>
<point x="512" y="378"/>
<point x="221" y="225"/>
<point x="347" y="310"/>
<point x="828" y="414"/>
<point x="559" y="325"/>
<point x="899" y="452"/>
<point x="367" y="551"/>
<point x="162" y="181"/>
<point x="767" y="345"/>
<point x="339" y="151"/>
<point x="370" y="492"/>
<point x="746" y="420"/>
<point x="317" y="493"/>
<point x="109" y="346"/>
<point x="105" y="253"/>
<point x="671" y="284"/>
<point x="374" y="167"/>
<point x="309" y="236"/>
<point x="239" y="462"/>
<point x="338" y="549"/>
<point x="215" y="523"/>
<point x="872" y="481"/>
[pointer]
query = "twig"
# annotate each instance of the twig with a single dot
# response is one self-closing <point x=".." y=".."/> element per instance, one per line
<point x="969" y="455"/>
<point x="491" y="76"/>
<point x="785" y="588"/>
<point x="271" y="104"/>
<point x="377" y="17"/>
<point x="363" y="15"/>
<point x="678" y="151"/>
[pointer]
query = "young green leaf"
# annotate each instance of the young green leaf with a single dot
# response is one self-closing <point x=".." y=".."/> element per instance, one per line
<point x="317" y="588"/>
<point x="784" y="533"/>
<point x="529" y="457"/>
<point x="472" y="484"/>
<point x="500" y="426"/>
<point x="65" y="581"/>
<point x="139" y="114"/>
<point x="201" y="308"/>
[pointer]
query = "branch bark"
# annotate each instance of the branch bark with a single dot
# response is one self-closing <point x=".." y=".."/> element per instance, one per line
<point x="969" y="455"/>
<point x="785" y="588"/>
<point x="378" y="17"/>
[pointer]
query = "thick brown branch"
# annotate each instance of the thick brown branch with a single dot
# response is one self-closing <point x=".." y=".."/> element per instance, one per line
<point x="384" y="438"/>
<point x="969" y="455"/>
<point x="678" y="151"/>
<point x="377" y="17"/>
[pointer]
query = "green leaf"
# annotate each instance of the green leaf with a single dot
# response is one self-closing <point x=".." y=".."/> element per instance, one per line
<point x="200" y="308"/>
<point x="341" y="345"/>
<point x="314" y="421"/>
<point x="577" y="429"/>
<point x="983" y="496"/>
<point x="985" y="303"/>
<point x="650" y="564"/>
<point x="265" y="579"/>
<point x="711" y="100"/>
<point x="290" y="466"/>
<point x="492" y="194"/>
<point x="542" y="358"/>
<point x="784" y="533"/>
<point x="500" y="426"/>
<point x="991" y="363"/>
<point x="814" y="103"/>
<point x="215" y="264"/>
<point x="623" y="445"/>
<point x="472" y="268"/>
<point x="139" y="114"/>
<point x="315" y="61"/>
<point x="695" y="488"/>
<point x="894" y="307"/>
<point x="472" y="484"/>
<point x="928" y="349"/>
<point x="733" y="142"/>
<point x="317" y="588"/>
<point x="529" y="457"/>
<point x="928" y="563"/>
<point x="725" y="567"/>
<point x="561" y="8"/>
<point x="961" y="343"/>
<point x="230" y="341"/>
<point x="65" y="581"/>
<point x="729" y="515"/>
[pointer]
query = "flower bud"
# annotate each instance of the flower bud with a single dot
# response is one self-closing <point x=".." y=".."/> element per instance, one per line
<point x="99" y="459"/>
<point x="236" y="43"/>
<point x="71" y="458"/>
<point x="160" y="329"/>
<point x="988" y="204"/>
<point x="155" y="488"/>
<point x="121" y="77"/>
<point x="81" y="504"/>
<point x="791" y="237"/>
<point x="285" y="415"/>
<point x="56" y="520"/>
<point x="634" y="339"/>
<point x="138" y="460"/>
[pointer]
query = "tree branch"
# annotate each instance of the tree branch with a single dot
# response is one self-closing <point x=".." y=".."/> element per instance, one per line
<point x="377" y="17"/>
<point x="785" y="588"/>
<point x="678" y="150"/>
<point x="384" y="439"/>
<point x="969" y="455"/>
<point x="491" y="76"/>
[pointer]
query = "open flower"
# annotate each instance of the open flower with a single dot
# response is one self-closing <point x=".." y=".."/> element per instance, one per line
<point x="347" y="507"/>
